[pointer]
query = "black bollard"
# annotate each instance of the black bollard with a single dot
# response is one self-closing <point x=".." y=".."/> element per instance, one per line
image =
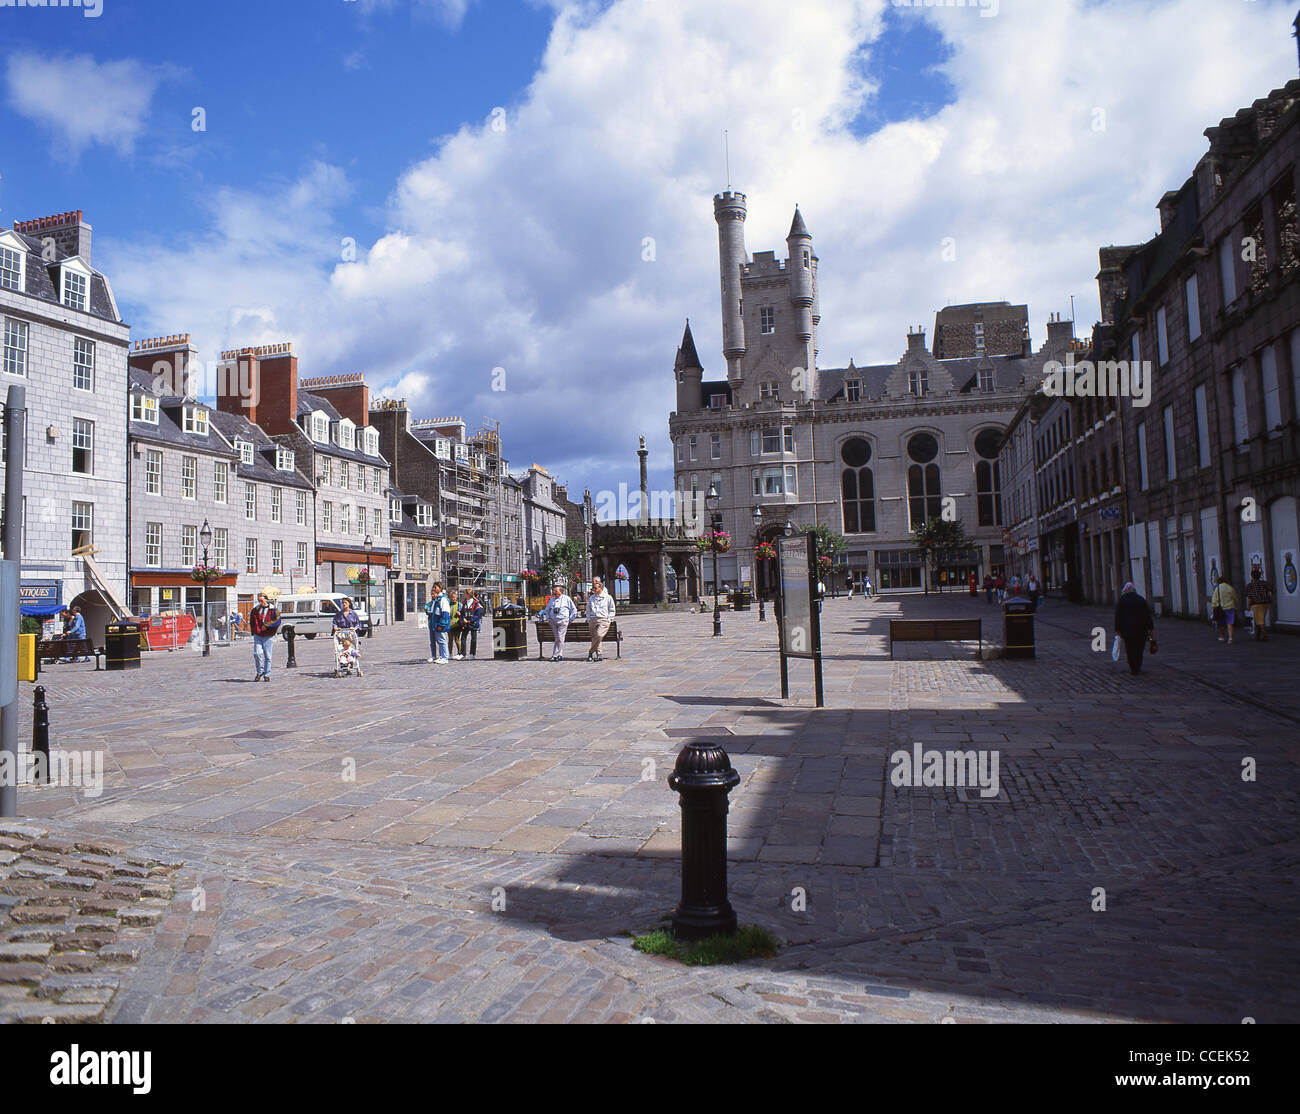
<point x="41" y="735"/>
<point x="292" y="663"/>
<point x="702" y="778"/>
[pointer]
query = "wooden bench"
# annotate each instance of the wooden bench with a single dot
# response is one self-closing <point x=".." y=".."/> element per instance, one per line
<point x="578" y="631"/>
<point x="54" y="648"/>
<point x="936" y="630"/>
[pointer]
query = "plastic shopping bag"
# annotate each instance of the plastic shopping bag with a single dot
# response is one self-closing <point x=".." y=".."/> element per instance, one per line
<point x="1114" y="649"/>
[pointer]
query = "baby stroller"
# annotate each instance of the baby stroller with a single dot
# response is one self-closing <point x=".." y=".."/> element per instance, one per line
<point x="347" y="653"/>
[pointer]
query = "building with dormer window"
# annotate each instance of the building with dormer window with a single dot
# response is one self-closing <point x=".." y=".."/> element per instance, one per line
<point x="64" y="341"/>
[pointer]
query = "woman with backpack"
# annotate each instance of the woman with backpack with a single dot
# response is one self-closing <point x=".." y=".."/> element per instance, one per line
<point x="470" y="617"/>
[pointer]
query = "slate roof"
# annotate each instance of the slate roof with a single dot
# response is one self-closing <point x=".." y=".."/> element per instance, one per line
<point x="40" y="281"/>
<point x="1008" y="372"/>
<point x="263" y="469"/>
<point x="308" y="402"/>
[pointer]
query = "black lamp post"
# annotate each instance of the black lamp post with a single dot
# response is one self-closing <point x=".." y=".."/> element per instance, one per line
<point x="762" y="566"/>
<point x="205" y="536"/>
<point x="711" y="500"/>
<point x="369" y="544"/>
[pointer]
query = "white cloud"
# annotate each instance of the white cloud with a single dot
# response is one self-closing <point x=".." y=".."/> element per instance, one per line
<point x="522" y="246"/>
<point x="82" y="101"/>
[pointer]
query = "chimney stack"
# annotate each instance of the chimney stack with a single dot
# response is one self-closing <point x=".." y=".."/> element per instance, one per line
<point x="261" y="384"/>
<point x="169" y="361"/>
<point x="69" y="233"/>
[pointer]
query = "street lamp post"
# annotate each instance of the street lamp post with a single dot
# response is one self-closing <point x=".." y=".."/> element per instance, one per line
<point x="712" y="499"/>
<point x="205" y="536"/>
<point x="762" y="563"/>
<point x="369" y="544"/>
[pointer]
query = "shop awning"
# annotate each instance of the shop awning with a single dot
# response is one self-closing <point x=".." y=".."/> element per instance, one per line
<point x="40" y="599"/>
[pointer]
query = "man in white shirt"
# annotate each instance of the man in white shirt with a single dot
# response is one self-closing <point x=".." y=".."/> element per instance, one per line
<point x="559" y="612"/>
<point x="600" y="610"/>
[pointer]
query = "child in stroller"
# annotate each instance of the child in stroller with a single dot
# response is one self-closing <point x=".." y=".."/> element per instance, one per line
<point x="347" y="656"/>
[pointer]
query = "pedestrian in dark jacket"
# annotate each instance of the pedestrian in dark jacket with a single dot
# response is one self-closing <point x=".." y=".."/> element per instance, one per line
<point x="1134" y="625"/>
<point x="471" y="620"/>
<point x="1259" y="594"/>
<point x="263" y="622"/>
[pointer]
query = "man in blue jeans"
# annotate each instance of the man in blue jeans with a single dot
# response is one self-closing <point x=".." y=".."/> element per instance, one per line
<point x="438" y="610"/>
<point x="263" y="622"/>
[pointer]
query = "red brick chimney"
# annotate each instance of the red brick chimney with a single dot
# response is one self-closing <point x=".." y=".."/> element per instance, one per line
<point x="261" y="384"/>
<point x="169" y="362"/>
<point x="69" y="233"/>
<point x="348" y="394"/>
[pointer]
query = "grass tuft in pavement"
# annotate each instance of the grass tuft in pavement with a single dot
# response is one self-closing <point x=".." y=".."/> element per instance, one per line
<point x="750" y="942"/>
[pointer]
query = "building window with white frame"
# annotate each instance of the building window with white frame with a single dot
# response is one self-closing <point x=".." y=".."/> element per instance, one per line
<point x="327" y="516"/>
<point x="1227" y="271"/>
<point x="250" y="502"/>
<point x="83" y="446"/>
<point x="715" y="446"/>
<point x="361" y="520"/>
<point x="918" y="381"/>
<point x="320" y="428"/>
<point x="144" y="408"/>
<point x="83" y="524"/>
<point x="424" y="556"/>
<point x="153" y="545"/>
<point x="189" y="477"/>
<point x="1272" y="392"/>
<point x="767" y="390"/>
<point x="284" y="460"/>
<point x="196" y="420"/>
<point x="301" y="517"/>
<point x="189" y="545"/>
<point x="153" y="469"/>
<point x="377" y="523"/>
<point x="83" y="364"/>
<point x="693" y="443"/>
<point x="345" y="518"/>
<point x="75" y="289"/>
<point x="277" y="556"/>
<point x="277" y="504"/>
<point x="326" y="470"/>
<point x="250" y="555"/>
<point x="220" y="479"/>
<point x="1192" y="293"/>
<point x="245" y="449"/>
<point x="221" y="547"/>
<point x="15" y="347"/>
<point x="302" y="556"/>
<point x="345" y="475"/>
<point x="767" y="319"/>
<point x="11" y="269"/>
<point x="985" y="379"/>
<point x="853" y="390"/>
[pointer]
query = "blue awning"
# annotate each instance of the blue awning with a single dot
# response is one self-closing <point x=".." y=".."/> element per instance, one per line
<point x="40" y="598"/>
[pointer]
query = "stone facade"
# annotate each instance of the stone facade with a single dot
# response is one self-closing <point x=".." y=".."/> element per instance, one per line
<point x="545" y="521"/>
<point x="868" y="451"/>
<point x="66" y="344"/>
<point x="417" y="555"/>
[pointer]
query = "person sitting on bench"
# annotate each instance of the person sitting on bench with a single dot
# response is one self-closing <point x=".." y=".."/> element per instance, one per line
<point x="76" y="632"/>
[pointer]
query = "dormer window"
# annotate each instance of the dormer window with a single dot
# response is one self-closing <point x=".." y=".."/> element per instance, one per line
<point x="347" y="435"/>
<point x="767" y="391"/>
<point x="144" y="408"/>
<point x="245" y="451"/>
<point x="717" y="402"/>
<point x="371" y="446"/>
<point x="75" y="280"/>
<point x="13" y="258"/>
<point x="918" y="381"/>
<point x="394" y="510"/>
<point x="986" y="379"/>
<point x="320" y="427"/>
<point x="442" y="449"/>
<point x="196" y="420"/>
<point x="284" y="460"/>
<point x="424" y="515"/>
<point x="853" y="390"/>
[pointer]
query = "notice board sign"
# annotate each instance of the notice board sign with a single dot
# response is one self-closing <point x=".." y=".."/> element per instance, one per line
<point x="798" y="615"/>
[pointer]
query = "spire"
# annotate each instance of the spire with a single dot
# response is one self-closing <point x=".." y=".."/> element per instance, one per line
<point x="686" y="354"/>
<point x="797" y="226"/>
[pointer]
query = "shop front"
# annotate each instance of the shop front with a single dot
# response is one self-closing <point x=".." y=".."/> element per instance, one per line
<point x="346" y="570"/>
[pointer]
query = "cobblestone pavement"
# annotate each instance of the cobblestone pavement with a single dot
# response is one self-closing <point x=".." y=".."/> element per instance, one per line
<point x="475" y="841"/>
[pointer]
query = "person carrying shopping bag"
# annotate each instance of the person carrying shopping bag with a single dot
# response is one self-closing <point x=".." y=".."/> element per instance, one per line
<point x="1223" y="601"/>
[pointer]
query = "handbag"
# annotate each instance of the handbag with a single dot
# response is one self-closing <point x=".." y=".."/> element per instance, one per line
<point x="1114" y="649"/>
<point x="1151" y="645"/>
<point x="1217" y="616"/>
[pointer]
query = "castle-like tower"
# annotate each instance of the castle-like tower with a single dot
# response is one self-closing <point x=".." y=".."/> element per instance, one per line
<point x="729" y="212"/>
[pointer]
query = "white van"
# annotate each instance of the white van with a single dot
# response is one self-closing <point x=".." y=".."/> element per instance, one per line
<point x="310" y="614"/>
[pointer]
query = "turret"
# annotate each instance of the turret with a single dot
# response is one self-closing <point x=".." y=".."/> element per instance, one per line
<point x="689" y="374"/>
<point x="803" y="286"/>
<point x="729" y="212"/>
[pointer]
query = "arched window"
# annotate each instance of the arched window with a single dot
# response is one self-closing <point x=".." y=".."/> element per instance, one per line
<point x="923" y="480"/>
<point x="857" y="487"/>
<point x="988" y="477"/>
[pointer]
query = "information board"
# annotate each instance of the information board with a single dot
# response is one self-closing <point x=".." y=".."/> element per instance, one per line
<point x="796" y="556"/>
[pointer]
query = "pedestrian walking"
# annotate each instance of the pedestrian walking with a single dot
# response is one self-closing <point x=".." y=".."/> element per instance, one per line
<point x="345" y="618"/>
<point x="988" y="588"/>
<point x="600" y="612"/>
<point x="1259" y="594"/>
<point x="1031" y="588"/>
<point x="1223" y="602"/>
<point x="1000" y="583"/>
<point x="438" y="609"/>
<point x="1134" y="626"/>
<point x="263" y="622"/>
<point x="471" y="621"/>
<point x="868" y="587"/>
<point x="559" y="612"/>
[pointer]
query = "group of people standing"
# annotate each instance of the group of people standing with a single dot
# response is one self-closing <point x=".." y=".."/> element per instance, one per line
<point x="1000" y="587"/>
<point x="454" y="623"/>
<point x="1224" y="606"/>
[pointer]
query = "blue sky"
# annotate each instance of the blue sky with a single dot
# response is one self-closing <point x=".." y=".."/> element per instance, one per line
<point x="523" y="245"/>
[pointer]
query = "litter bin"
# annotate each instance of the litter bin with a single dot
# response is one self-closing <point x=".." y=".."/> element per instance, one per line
<point x="1017" y="628"/>
<point x="740" y="600"/>
<point x="122" y="645"/>
<point x="510" y="636"/>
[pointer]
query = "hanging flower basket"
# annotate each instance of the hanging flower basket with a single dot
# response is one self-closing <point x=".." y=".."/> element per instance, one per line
<point x="764" y="551"/>
<point x="205" y="574"/>
<point x="824" y="562"/>
<point x="706" y="541"/>
<point x="531" y="575"/>
<point x="363" y="579"/>
<point x="620" y="575"/>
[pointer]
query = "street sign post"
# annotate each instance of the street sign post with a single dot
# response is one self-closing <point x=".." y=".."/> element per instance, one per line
<point x="799" y="616"/>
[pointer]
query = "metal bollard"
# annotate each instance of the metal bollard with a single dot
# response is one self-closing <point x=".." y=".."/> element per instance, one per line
<point x="41" y="734"/>
<point x="292" y="663"/>
<point x="702" y="778"/>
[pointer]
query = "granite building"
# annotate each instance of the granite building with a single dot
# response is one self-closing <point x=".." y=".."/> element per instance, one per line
<point x="870" y="451"/>
<point x="65" y="342"/>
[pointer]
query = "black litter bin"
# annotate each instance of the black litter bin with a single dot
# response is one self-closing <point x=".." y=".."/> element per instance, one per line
<point x="740" y="601"/>
<point x="1017" y="628"/>
<point x="510" y="637"/>
<point x="122" y="645"/>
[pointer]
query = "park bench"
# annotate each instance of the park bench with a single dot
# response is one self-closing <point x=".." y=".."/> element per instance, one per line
<point x="935" y="630"/>
<point x="578" y="632"/>
<point x="51" y="649"/>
